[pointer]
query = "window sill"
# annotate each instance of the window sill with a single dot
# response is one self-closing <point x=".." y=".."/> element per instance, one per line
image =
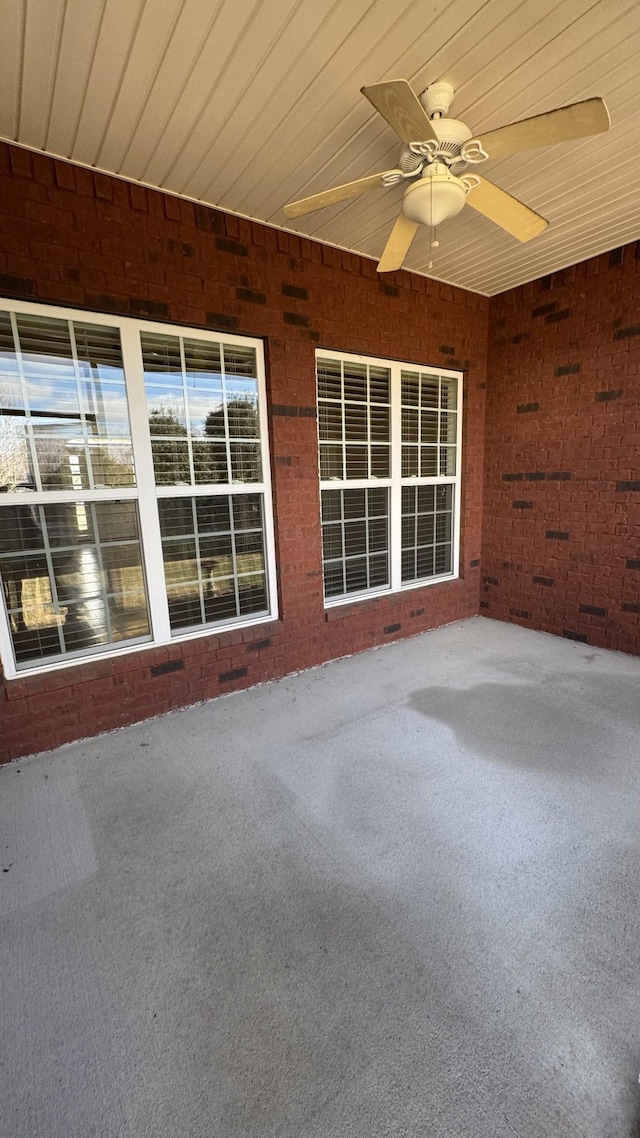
<point x="367" y="602"/>
<point x="112" y="654"/>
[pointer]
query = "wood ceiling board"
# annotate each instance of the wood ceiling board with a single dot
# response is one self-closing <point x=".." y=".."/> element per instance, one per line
<point x="11" y="71"/>
<point x="110" y="58"/>
<point x="556" y="73"/>
<point x="325" y="107"/>
<point x="42" y="32"/>
<point x="153" y="35"/>
<point x="273" y="94"/>
<point x="82" y="24"/>
<point x="233" y="22"/>
<point x="238" y="95"/>
<point x="189" y="40"/>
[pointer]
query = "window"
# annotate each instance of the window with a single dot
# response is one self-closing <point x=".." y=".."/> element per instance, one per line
<point x="389" y="439"/>
<point x="134" y="485"/>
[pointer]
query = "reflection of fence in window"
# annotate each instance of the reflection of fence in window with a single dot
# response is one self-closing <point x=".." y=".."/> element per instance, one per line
<point x="214" y="558"/>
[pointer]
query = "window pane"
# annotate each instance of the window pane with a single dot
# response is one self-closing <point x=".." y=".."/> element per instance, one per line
<point x="427" y="531"/>
<point x="353" y="407"/>
<point x="65" y="421"/>
<point x="355" y="537"/>
<point x="331" y="462"/>
<point x="329" y="379"/>
<point x="380" y="458"/>
<point x="355" y="381"/>
<point x="73" y="577"/>
<point x="205" y="394"/>
<point x="379" y="381"/>
<point x="214" y="558"/>
<point x="429" y="418"/>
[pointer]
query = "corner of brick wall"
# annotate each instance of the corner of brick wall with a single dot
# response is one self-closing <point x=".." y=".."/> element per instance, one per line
<point x="561" y="535"/>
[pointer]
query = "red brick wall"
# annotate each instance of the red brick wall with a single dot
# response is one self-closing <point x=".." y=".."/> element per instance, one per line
<point x="561" y="538"/>
<point x="72" y="237"/>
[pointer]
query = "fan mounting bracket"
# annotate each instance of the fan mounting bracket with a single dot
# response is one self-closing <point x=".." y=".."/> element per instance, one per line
<point x="437" y="99"/>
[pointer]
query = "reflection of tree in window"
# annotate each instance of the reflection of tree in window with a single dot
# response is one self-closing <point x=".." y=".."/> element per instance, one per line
<point x="243" y="423"/>
<point x="170" y="454"/>
<point x="225" y="431"/>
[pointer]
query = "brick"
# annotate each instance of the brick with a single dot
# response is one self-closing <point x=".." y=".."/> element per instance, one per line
<point x="227" y="245"/>
<point x="520" y="505"/>
<point x="557" y="535"/>
<point x="250" y="296"/>
<point x="548" y="581"/>
<point x="607" y="396"/>
<point x="570" y="635"/>
<point x="296" y="318"/>
<point x="592" y="610"/>
<point x="16" y="286"/>
<point x="294" y="290"/>
<point x="167" y="666"/>
<point x="222" y="321"/>
<point x="233" y="674"/>
<point x="259" y="645"/>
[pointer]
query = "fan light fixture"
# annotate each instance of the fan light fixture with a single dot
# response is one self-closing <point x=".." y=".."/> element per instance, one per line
<point x="437" y="196"/>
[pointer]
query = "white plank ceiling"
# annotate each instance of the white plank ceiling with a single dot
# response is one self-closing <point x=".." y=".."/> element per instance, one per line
<point x="247" y="104"/>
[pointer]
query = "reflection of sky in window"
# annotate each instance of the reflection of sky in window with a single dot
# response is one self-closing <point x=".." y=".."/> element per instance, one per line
<point x="202" y="380"/>
<point x="163" y="378"/>
<point x="105" y="406"/>
<point x="201" y="405"/>
<point x="238" y="388"/>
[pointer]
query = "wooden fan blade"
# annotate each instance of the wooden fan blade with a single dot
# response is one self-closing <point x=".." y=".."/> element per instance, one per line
<point x="336" y="194"/>
<point x="575" y="121"/>
<point x="506" y="211"/>
<point x="398" y="244"/>
<point x="400" y="106"/>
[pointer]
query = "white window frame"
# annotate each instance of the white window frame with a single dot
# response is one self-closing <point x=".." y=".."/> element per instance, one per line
<point x="146" y="493"/>
<point x="396" y="482"/>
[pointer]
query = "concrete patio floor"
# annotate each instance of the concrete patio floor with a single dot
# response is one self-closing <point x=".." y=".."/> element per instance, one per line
<point x="393" y="896"/>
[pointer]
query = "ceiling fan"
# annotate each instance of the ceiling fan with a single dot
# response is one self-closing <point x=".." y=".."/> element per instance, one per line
<point x="435" y="155"/>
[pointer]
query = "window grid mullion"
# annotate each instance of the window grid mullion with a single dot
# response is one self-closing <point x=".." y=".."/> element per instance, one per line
<point x="196" y="536"/>
<point x="101" y="570"/>
<point x="88" y="456"/>
<point x="148" y="516"/>
<point x="234" y="558"/>
<point x="394" y="501"/>
<point x="52" y="579"/>
<point x="31" y="443"/>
